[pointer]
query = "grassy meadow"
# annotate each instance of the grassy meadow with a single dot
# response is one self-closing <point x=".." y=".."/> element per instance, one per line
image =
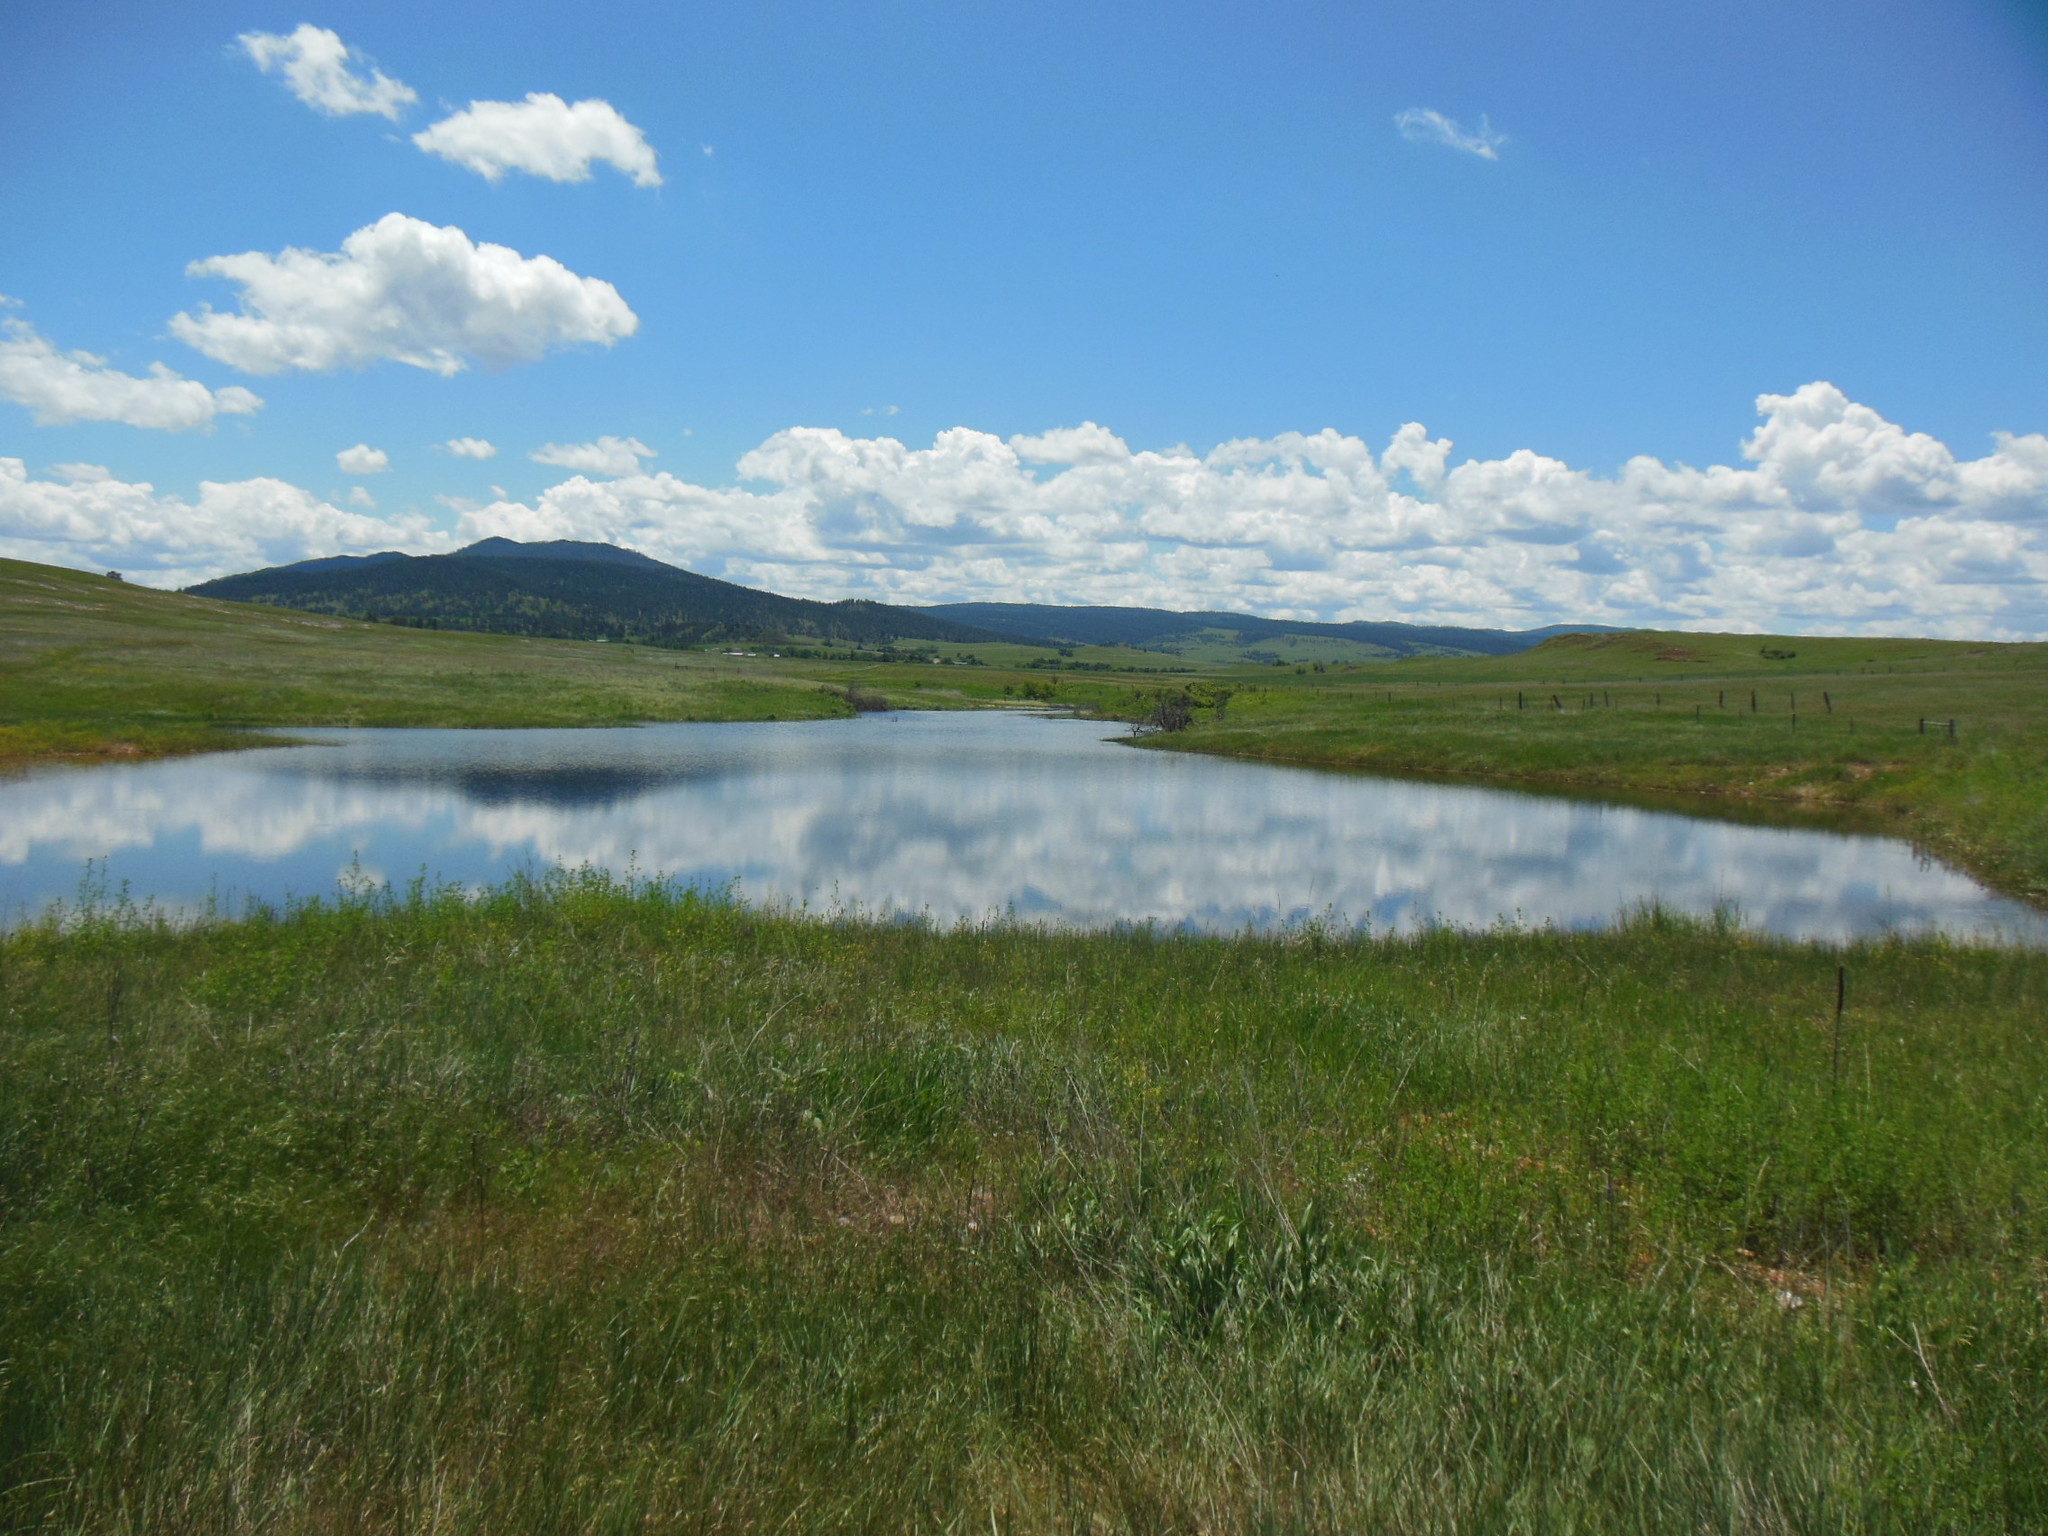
<point x="95" y="667"/>
<point x="582" y="1208"/>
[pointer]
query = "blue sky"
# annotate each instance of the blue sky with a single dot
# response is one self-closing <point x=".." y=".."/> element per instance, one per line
<point x="888" y="240"/>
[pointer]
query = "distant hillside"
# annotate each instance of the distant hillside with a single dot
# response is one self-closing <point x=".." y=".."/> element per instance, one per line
<point x="1162" y="629"/>
<point x="564" y="589"/>
<point x="573" y="591"/>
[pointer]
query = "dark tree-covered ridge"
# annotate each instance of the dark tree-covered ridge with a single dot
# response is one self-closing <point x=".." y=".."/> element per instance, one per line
<point x="575" y="591"/>
<point x="570" y="590"/>
<point x="1149" y="627"/>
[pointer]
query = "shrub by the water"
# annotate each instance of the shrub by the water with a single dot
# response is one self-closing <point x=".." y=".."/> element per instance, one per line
<point x="862" y="701"/>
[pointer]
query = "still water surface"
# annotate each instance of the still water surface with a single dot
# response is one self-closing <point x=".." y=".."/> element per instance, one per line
<point x="949" y="815"/>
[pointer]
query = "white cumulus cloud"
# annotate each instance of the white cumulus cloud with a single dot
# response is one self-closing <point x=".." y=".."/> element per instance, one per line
<point x="607" y="456"/>
<point x="404" y="290"/>
<point x="363" y="460"/>
<point x="315" y="65"/>
<point x="1424" y="126"/>
<point x="1832" y="519"/>
<point x="60" y="387"/>
<point x="1085" y="444"/>
<point x="471" y="448"/>
<point x="94" y="521"/>
<point x="1835" y="520"/>
<point x="542" y="136"/>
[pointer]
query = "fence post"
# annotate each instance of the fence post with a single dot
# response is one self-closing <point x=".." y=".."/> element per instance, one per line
<point x="1841" y="1000"/>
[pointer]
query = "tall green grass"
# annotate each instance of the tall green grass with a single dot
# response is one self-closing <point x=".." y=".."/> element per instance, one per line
<point x="579" y="1207"/>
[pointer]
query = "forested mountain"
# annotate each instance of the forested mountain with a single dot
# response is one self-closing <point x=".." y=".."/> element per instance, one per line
<point x="574" y="591"/>
<point x="1163" y="629"/>
<point x="581" y="591"/>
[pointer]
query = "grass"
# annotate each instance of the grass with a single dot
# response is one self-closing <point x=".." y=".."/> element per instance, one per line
<point x="579" y="1207"/>
<point x="1835" y="726"/>
<point x="90" y="666"/>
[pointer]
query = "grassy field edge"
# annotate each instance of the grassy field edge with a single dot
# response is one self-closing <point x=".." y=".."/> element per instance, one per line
<point x="1942" y="829"/>
<point x="1856" y="733"/>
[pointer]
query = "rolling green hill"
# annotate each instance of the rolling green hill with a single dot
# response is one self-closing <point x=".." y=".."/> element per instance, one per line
<point x="574" y="591"/>
<point x="92" y="666"/>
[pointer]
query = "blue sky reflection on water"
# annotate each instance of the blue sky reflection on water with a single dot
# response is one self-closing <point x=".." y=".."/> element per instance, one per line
<point x="952" y="816"/>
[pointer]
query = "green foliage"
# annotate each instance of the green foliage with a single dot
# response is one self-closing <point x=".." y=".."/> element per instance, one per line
<point x="578" y="1207"/>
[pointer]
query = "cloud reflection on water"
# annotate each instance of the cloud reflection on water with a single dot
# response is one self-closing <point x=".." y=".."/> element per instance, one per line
<point x="955" y="816"/>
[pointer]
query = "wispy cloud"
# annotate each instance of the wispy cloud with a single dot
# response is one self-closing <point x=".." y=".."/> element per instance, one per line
<point x="1424" y="126"/>
<point x="607" y="456"/>
<point x="316" y="66"/>
<point x="542" y="136"/>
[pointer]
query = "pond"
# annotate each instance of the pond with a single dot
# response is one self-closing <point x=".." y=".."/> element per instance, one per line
<point x="946" y="816"/>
